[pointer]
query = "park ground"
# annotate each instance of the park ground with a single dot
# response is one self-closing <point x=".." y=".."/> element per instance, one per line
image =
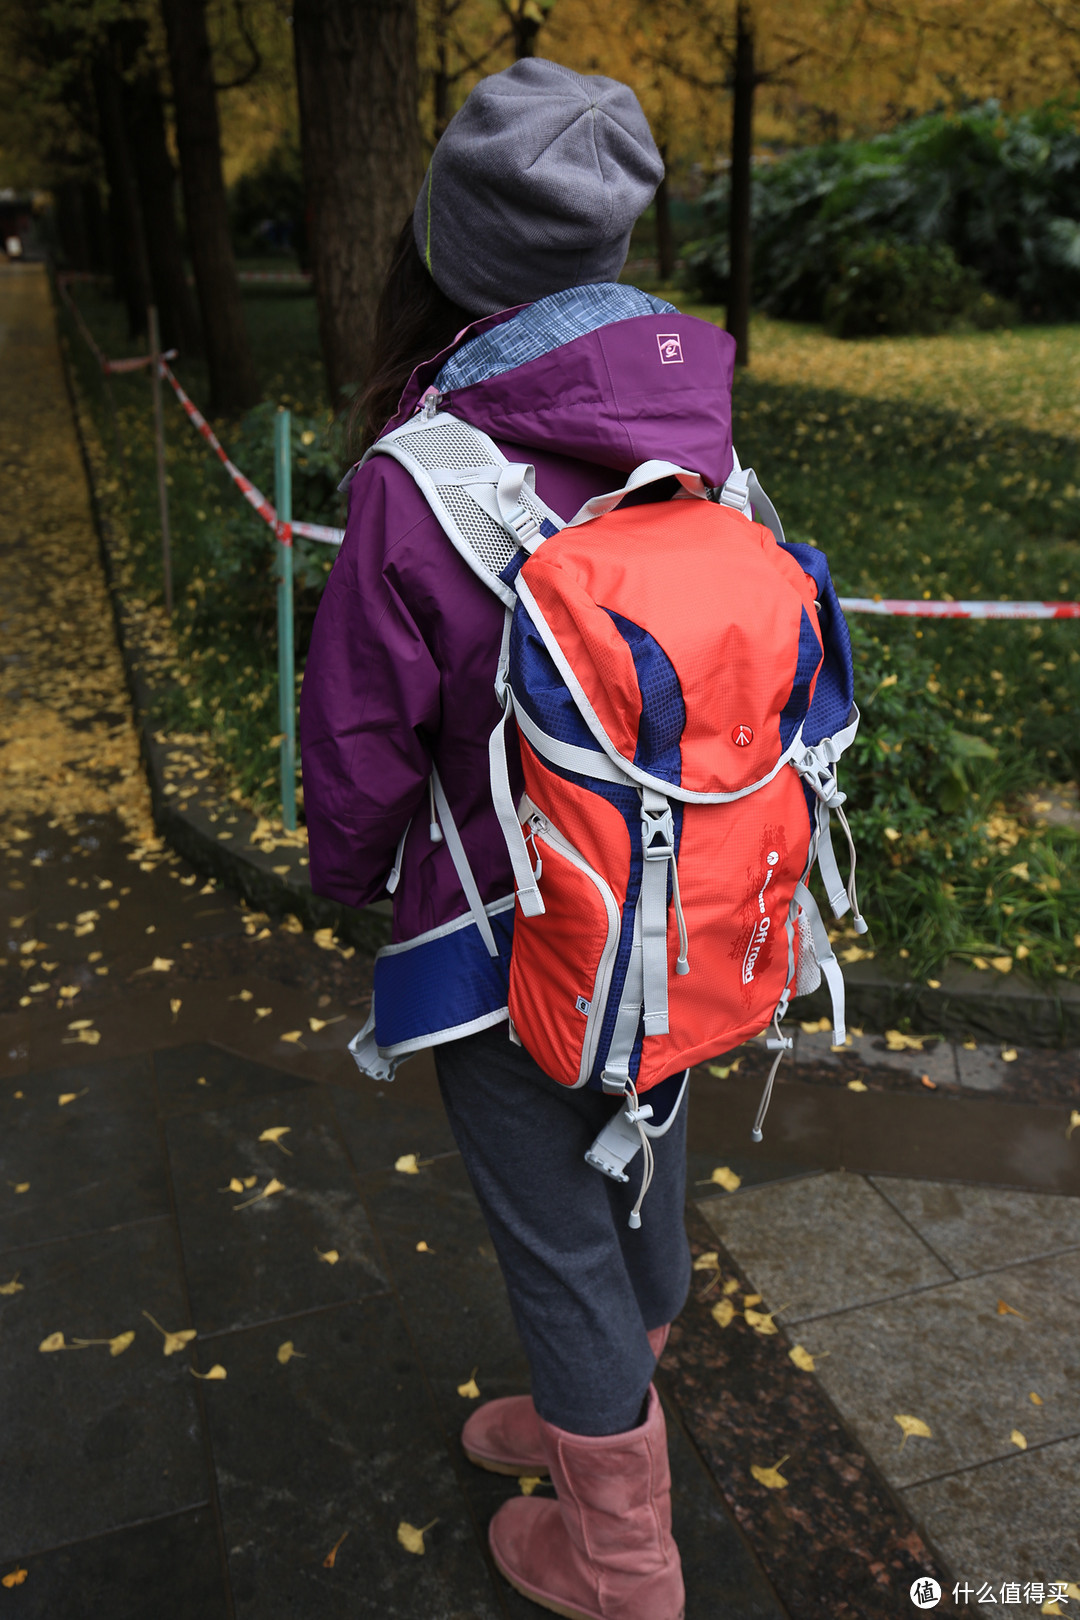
<point x="246" y="1300"/>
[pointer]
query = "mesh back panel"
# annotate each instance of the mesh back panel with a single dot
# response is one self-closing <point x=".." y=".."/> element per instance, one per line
<point x="487" y="539"/>
<point x="446" y="444"/>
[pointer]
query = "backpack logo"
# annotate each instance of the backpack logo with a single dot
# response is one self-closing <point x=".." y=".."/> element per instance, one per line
<point x="670" y="346"/>
<point x="742" y="736"/>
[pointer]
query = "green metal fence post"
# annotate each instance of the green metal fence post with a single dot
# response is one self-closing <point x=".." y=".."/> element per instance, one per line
<point x="286" y="658"/>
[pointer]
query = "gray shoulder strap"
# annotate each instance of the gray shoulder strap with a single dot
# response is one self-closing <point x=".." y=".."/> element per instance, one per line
<point x="487" y="506"/>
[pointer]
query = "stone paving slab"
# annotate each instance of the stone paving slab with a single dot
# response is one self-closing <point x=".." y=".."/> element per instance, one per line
<point x="975" y="1229"/>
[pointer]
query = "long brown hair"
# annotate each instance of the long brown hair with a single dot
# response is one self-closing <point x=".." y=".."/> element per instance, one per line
<point x="413" y="322"/>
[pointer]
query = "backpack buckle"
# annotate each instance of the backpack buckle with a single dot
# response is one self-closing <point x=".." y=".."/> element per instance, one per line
<point x="658" y="834"/>
<point x="523" y="524"/>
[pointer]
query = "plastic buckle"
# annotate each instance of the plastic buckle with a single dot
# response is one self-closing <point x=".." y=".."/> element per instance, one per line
<point x="523" y="523"/>
<point x="658" y="835"/>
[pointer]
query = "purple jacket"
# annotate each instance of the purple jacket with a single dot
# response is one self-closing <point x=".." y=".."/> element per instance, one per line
<point x="402" y="662"/>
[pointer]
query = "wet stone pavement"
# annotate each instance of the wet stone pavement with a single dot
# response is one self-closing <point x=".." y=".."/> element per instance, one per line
<point x="242" y="1291"/>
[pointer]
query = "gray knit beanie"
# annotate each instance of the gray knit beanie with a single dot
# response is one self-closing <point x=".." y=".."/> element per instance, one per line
<point x="535" y="186"/>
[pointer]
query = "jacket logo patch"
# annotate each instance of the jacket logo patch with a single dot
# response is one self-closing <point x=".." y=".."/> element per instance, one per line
<point x="742" y="736"/>
<point x="670" y="346"/>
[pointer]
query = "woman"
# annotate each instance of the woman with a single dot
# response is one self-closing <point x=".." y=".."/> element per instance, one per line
<point x="503" y="301"/>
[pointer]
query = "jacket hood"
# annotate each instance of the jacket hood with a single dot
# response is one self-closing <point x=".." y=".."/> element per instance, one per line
<point x="604" y="374"/>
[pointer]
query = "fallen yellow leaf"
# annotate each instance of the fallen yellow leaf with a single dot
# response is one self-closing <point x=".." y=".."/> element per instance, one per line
<point x="292" y="1035"/>
<point x="174" y="1007"/>
<point x="274" y="1134"/>
<point x="84" y="1037"/>
<point x="66" y="1097"/>
<point x="160" y="964"/>
<point x="470" y="1389"/>
<point x="235" y="1185"/>
<point x="910" y="1426"/>
<point x="802" y="1358"/>
<point x="331" y="1557"/>
<point x="422" y="1248"/>
<point x="324" y="938"/>
<point x="407" y="1164"/>
<point x="331" y="1256"/>
<point x="897" y="1041"/>
<point x="751" y="1299"/>
<point x="216" y="1373"/>
<point x="1008" y="1310"/>
<point x="732" y="1286"/>
<point x="408" y="1535"/>
<point x="721" y="1071"/>
<point x="272" y="1186"/>
<point x="1018" y="1439"/>
<point x="1003" y="964"/>
<point x="707" y="1262"/>
<point x="761" y="1321"/>
<point x="286" y="1351"/>
<point x="14" y="1577"/>
<point x="856" y="1085"/>
<point x="722" y="1312"/>
<point x="1009" y="1055"/>
<point x="1074" y="1121"/>
<point x="1036" y="1400"/>
<point x="22" y="1186"/>
<point x="173" y="1341"/>
<point x="527" y="1483"/>
<point x="249" y="1181"/>
<point x="726" y="1178"/>
<point x="12" y="1287"/>
<point x="263" y="1012"/>
<point x="316" y="1024"/>
<point x="117" y="1345"/>
<point x="771" y="1478"/>
<point x="55" y="1341"/>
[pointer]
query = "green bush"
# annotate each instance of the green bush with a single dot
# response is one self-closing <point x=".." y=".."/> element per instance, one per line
<point x="1003" y="193"/>
<point x="890" y="288"/>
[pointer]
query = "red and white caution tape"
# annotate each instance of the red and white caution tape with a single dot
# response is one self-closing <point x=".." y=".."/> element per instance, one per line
<point x="893" y="609"/>
<point x="253" y="496"/>
<point x="110" y="367"/>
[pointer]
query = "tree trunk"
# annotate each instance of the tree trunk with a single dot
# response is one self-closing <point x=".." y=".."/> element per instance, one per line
<point x="357" y="79"/>
<point x="157" y="194"/>
<point x="665" y="246"/>
<point x="131" y="276"/>
<point x="527" y="17"/>
<point x="233" y="383"/>
<point x="739" y="226"/>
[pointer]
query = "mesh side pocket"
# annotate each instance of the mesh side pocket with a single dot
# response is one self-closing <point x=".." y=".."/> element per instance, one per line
<point x="808" y="973"/>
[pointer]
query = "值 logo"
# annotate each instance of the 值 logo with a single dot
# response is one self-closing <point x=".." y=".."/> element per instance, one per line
<point x="742" y="736"/>
<point x="670" y="346"/>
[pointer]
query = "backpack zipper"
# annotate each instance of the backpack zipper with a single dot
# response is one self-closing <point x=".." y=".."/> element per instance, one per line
<point x="540" y="827"/>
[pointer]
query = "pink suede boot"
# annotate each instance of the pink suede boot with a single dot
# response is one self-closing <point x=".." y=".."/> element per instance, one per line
<point x="503" y="1436"/>
<point x="604" y="1550"/>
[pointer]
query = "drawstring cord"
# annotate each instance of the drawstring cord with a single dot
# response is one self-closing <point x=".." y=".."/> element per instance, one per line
<point x="434" y="829"/>
<point x="683" y="964"/>
<point x="780" y="1044"/>
<point x="858" y="920"/>
<point x="636" y="1115"/>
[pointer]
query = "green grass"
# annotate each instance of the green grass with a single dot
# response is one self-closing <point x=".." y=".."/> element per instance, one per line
<point x="960" y="720"/>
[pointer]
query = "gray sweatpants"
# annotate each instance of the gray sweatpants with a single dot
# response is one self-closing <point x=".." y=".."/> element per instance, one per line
<point x="583" y="1287"/>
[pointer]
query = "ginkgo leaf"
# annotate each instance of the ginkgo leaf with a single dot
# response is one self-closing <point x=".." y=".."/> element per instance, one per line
<point x="470" y="1389"/>
<point x="272" y="1186"/>
<point x="235" y="1185"/>
<point x="815" y="1026"/>
<point x="407" y="1164"/>
<point x="55" y="1341"/>
<point x="243" y="995"/>
<point x="286" y="1351"/>
<point x="316" y="1024"/>
<point x="802" y="1358"/>
<point x="722" y="1070"/>
<point x="726" y="1178"/>
<point x="761" y="1321"/>
<point x="707" y="1262"/>
<point x="174" y="1006"/>
<point x="423" y="1248"/>
<point x="249" y="1181"/>
<point x="1074" y="1119"/>
<point x="771" y="1478"/>
<point x="83" y="1037"/>
<point x="12" y="1287"/>
<point x="1036" y="1400"/>
<point x="722" y="1312"/>
<point x="22" y="1186"/>
<point x="173" y="1341"/>
<point x="856" y="1085"/>
<point x="331" y="1557"/>
<point x="1008" y="1310"/>
<point x="410" y="1537"/>
<point x="897" y="1041"/>
<point x="1018" y="1439"/>
<point x="160" y="964"/>
<point x="263" y="1012"/>
<point x="331" y="1256"/>
<point x="274" y="1134"/>
<point x="14" y="1577"/>
<point x="732" y="1286"/>
<point x="118" y="1345"/>
<point x="215" y="1375"/>
<point x="292" y="1035"/>
<point x="527" y="1483"/>
<point x="751" y="1299"/>
<point x="910" y="1426"/>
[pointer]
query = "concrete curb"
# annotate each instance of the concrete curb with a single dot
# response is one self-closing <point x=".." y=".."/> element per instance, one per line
<point x="216" y="837"/>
